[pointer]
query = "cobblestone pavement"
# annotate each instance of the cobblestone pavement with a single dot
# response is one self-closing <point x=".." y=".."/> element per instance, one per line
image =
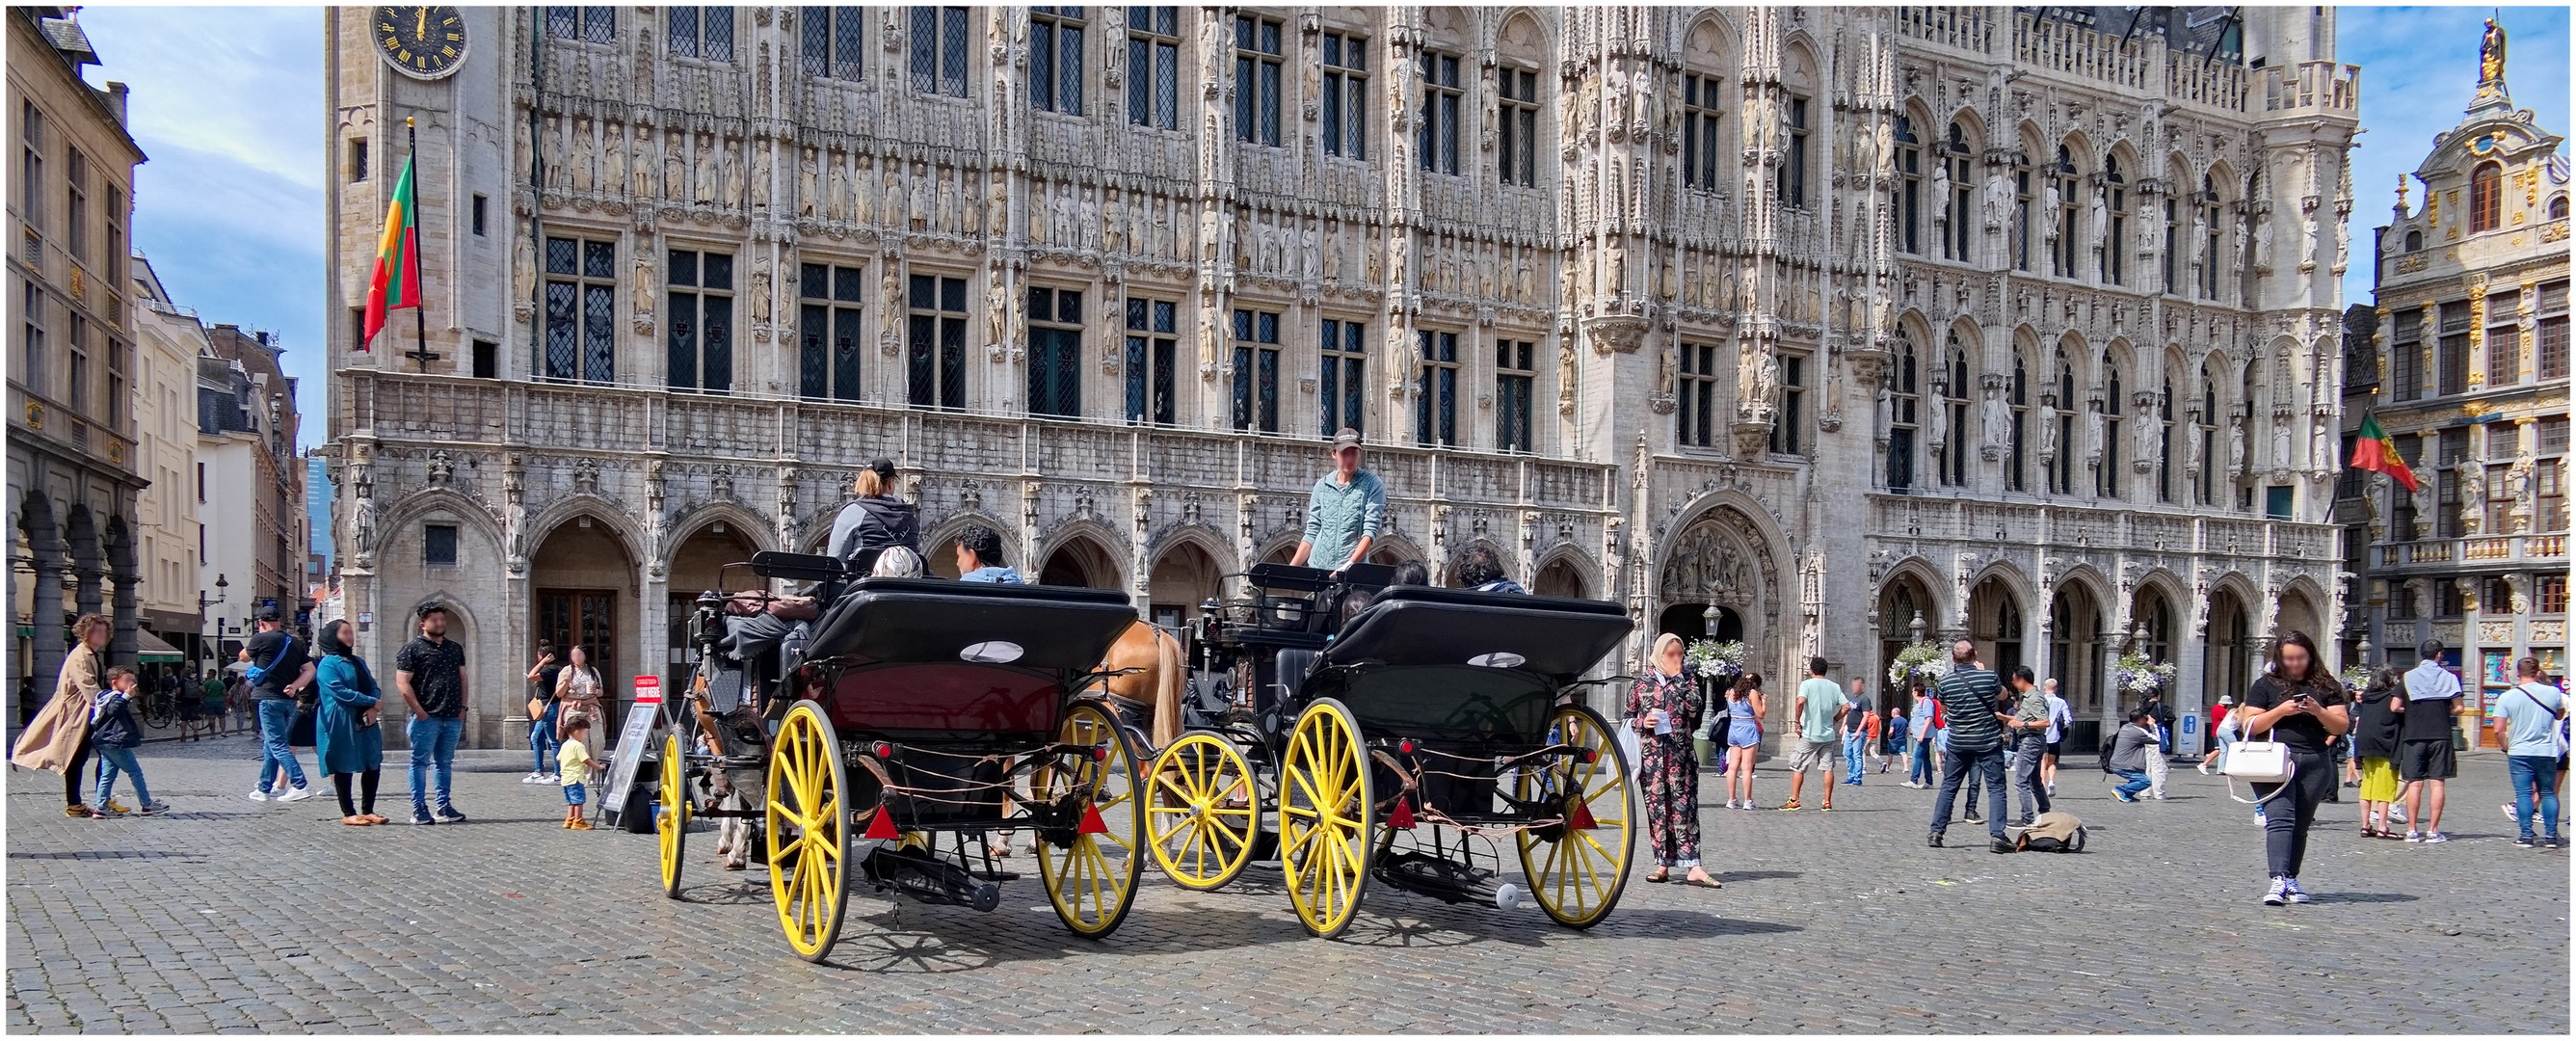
<point x="234" y="916"/>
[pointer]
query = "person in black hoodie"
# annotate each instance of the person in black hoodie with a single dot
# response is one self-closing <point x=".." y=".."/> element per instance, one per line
<point x="2380" y="709"/>
<point x="874" y="520"/>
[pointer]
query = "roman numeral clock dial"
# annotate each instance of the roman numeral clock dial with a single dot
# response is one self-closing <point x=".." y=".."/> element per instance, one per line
<point x="423" y="42"/>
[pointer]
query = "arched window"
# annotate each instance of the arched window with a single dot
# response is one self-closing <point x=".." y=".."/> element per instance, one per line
<point x="2070" y="216"/>
<point x="1954" y="394"/>
<point x="2209" y="263"/>
<point x="2106" y="481"/>
<point x="1909" y="187"/>
<point x="2115" y="239"/>
<point x="2021" y="211"/>
<point x="1954" y="238"/>
<point x="2210" y="463"/>
<point x="1700" y="112"/>
<point x="2164" y="442"/>
<point x="2486" y="198"/>
<point x="2415" y="239"/>
<point x="2173" y="238"/>
<point x="2016" y="465"/>
<point x="2061" y="469"/>
<point x="2558" y="207"/>
<point x="1903" y="417"/>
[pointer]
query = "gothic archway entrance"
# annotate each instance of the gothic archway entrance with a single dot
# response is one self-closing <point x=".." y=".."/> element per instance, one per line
<point x="585" y="592"/>
<point x="1995" y="625"/>
<point x="1724" y="558"/>
<point x="1079" y="562"/>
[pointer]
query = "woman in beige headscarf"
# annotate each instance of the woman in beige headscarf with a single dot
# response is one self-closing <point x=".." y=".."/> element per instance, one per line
<point x="58" y="738"/>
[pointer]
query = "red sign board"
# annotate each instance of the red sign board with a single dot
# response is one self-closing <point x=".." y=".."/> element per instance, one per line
<point x="648" y="690"/>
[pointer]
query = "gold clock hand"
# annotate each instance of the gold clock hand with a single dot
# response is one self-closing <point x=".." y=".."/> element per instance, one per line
<point x="423" y="28"/>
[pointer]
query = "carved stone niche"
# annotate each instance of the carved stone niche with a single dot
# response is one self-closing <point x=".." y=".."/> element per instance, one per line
<point x="1615" y="334"/>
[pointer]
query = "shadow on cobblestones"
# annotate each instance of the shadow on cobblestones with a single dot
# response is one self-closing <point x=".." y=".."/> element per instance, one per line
<point x="104" y="854"/>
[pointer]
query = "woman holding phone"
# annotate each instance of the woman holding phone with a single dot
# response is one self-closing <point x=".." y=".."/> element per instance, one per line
<point x="1664" y="709"/>
<point x="2299" y="704"/>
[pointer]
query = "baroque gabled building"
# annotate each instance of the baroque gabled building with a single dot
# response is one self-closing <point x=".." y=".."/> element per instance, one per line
<point x="2468" y="376"/>
<point x="73" y="466"/>
<point x="2020" y="322"/>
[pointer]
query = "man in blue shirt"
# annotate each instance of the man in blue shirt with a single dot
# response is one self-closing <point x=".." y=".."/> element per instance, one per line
<point x="1477" y="569"/>
<point x="979" y="558"/>
<point x="2526" y="724"/>
<point x="1345" y="511"/>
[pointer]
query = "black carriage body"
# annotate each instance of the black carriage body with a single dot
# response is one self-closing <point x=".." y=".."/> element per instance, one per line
<point x="958" y="679"/>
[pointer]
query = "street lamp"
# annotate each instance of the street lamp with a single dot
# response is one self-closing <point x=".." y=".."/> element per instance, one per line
<point x="221" y="585"/>
<point x="1708" y="622"/>
<point x="1916" y="626"/>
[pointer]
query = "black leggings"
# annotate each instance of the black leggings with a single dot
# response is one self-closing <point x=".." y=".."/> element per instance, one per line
<point x="366" y="783"/>
<point x="77" y="776"/>
<point x="2286" y="819"/>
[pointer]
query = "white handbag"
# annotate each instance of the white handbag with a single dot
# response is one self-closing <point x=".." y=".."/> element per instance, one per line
<point x="2259" y="762"/>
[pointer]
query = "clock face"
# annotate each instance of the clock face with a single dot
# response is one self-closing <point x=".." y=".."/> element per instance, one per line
<point x="424" y="42"/>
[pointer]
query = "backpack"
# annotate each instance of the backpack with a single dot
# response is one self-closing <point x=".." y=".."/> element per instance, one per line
<point x="2053" y="832"/>
<point x="2110" y="744"/>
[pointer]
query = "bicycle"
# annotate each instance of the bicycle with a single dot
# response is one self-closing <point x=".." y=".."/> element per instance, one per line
<point x="158" y="710"/>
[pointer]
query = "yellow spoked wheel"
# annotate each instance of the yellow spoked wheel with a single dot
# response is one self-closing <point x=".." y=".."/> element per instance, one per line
<point x="1201" y="813"/>
<point x="808" y="830"/>
<point x="1577" y="873"/>
<point x="1325" y="814"/>
<point x="1092" y="879"/>
<point x="671" y="821"/>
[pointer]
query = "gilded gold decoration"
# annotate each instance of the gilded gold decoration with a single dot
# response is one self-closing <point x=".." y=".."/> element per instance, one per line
<point x="35" y="416"/>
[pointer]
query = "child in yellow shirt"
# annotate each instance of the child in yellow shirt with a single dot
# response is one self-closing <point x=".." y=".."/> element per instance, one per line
<point x="574" y="763"/>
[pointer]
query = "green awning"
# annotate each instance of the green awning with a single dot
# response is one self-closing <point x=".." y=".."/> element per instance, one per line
<point x="150" y="649"/>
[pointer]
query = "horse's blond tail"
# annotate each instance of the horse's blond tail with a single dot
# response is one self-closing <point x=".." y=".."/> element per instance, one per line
<point x="1167" y="688"/>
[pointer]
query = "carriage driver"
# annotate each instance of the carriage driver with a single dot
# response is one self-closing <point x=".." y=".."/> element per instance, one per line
<point x="1344" y="512"/>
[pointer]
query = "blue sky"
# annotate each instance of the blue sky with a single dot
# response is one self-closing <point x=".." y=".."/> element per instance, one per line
<point x="2419" y="67"/>
<point x="228" y="103"/>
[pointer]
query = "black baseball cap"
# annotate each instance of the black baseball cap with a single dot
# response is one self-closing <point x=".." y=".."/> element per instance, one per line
<point x="884" y="468"/>
<point x="268" y="614"/>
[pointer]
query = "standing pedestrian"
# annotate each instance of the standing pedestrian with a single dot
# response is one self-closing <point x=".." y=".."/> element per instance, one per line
<point x="1922" y="773"/>
<point x="542" y="707"/>
<point x="58" y="739"/>
<point x="280" y="669"/>
<point x="2164" y="715"/>
<point x="114" y="734"/>
<point x="2379" y="713"/>
<point x="2526" y="725"/>
<point x="2299" y="704"/>
<point x="218" y="707"/>
<point x="1968" y="695"/>
<point x="347" y="742"/>
<point x="2159" y="763"/>
<point x="2425" y="759"/>
<point x="574" y="765"/>
<point x="2026" y="735"/>
<point x="578" y="690"/>
<point x="1818" y="709"/>
<point x="429" y="672"/>
<point x="2060" y="719"/>
<point x="1896" y="737"/>
<point x="1859" y="725"/>
<point x="1664" y="711"/>
<point x="2222" y="733"/>
<point x="1744" y="707"/>
<point x="2130" y="750"/>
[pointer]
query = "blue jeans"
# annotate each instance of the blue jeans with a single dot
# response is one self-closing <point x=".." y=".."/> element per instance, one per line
<point x="2528" y="771"/>
<point x="276" y="761"/>
<point x="541" y="740"/>
<point x="2025" y="770"/>
<point x="433" y="741"/>
<point x="1955" y="767"/>
<point x="1920" y="771"/>
<point x="1853" y="747"/>
<point x="2132" y="782"/>
<point x="113" y="760"/>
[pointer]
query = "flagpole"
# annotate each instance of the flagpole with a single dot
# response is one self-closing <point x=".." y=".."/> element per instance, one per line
<point x="420" y="307"/>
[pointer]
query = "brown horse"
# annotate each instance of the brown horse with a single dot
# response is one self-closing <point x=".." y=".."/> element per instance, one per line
<point x="1154" y="686"/>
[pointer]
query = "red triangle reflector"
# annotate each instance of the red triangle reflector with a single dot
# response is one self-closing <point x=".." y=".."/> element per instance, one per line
<point x="1579" y="817"/>
<point x="1402" y="817"/>
<point x="882" y="826"/>
<point x="1091" y="822"/>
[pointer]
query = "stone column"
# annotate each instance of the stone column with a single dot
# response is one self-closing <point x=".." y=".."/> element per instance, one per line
<point x="46" y="616"/>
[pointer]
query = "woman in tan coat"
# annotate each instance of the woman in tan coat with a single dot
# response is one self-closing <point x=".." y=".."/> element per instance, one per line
<point x="58" y="738"/>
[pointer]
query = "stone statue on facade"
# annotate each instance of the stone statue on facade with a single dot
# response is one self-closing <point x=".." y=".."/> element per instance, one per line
<point x="2046" y="417"/>
<point x="2094" y="424"/>
<point x="2473" y="495"/>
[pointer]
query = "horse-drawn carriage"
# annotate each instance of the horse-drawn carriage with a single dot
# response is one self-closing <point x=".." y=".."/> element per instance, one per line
<point x="909" y="712"/>
<point x="1400" y="743"/>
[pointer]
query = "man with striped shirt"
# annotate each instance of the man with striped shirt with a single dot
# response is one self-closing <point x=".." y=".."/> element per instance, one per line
<point x="1969" y="697"/>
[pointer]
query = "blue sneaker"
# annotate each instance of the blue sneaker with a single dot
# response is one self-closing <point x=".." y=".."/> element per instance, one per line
<point x="422" y="817"/>
<point x="2279" y="893"/>
<point x="2290" y="888"/>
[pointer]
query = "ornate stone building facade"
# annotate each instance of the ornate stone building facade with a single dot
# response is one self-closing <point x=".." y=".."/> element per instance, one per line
<point x="72" y="369"/>
<point x="1827" y="319"/>
<point x="2468" y="375"/>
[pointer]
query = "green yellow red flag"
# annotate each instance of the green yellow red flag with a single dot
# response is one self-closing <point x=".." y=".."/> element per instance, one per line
<point x="2375" y="452"/>
<point x="396" y="283"/>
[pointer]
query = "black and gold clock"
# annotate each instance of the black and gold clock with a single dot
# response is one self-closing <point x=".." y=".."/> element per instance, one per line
<point x="424" y="42"/>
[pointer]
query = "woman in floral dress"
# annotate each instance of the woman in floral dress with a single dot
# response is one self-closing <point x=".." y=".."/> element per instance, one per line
<point x="1663" y="708"/>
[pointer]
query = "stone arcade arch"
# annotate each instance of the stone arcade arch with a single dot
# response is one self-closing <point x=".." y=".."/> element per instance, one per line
<point x="584" y="588"/>
<point x="1185" y="575"/>
<point x="698" y="564"/>
<point x="1079" y="560"/>
<point x="1730" y="556"/>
